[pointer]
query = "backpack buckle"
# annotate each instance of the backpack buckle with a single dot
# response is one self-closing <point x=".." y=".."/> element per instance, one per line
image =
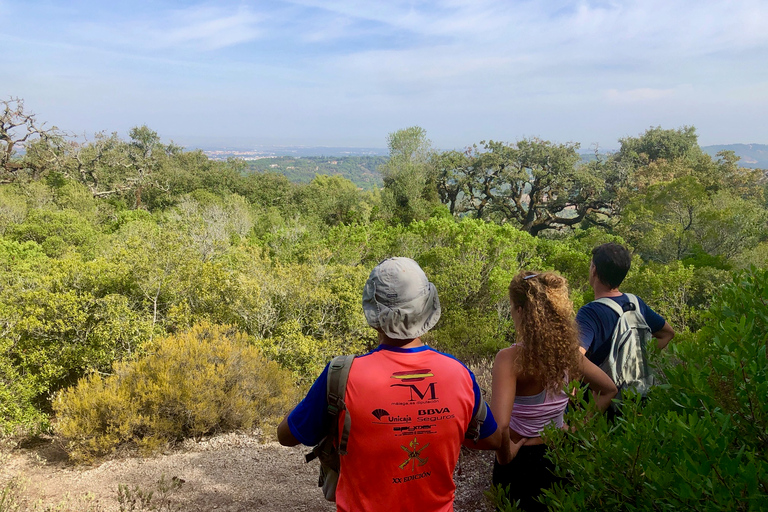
<point x="335" y="404"/>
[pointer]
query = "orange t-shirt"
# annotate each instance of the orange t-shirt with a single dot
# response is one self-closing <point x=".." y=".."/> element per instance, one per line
<point x="410" y="409"/>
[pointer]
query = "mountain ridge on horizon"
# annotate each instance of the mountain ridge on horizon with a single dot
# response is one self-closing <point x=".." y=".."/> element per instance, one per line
<point x="754" y="156"/>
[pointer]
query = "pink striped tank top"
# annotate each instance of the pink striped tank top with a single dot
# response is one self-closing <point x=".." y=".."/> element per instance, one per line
<point x="531" y="414"/>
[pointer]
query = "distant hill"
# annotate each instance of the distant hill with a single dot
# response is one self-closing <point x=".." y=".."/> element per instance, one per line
<point x="360" y="170"/>
<point x="754" y="156"/>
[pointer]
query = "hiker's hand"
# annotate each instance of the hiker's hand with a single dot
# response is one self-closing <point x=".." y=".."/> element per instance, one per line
<point x="505" y="456"/>
<point x="515" y="447"/>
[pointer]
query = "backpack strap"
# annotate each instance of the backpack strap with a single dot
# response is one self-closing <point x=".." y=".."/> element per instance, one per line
<point x="618" y="309"/>
<point x="338" y="374"/>
<point x="635" y="303"/>
<point x="473" y="432"/>
<point x="605" y="301"/>
<point x="607" y="349"/>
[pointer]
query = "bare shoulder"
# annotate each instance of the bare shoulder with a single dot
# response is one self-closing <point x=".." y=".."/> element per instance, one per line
<point x="507" y="355"/>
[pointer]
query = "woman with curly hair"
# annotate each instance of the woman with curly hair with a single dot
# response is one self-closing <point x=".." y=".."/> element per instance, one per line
<point x="529" y="380"/>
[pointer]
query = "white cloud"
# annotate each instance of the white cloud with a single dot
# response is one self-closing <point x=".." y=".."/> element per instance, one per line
<point x="197" y="28"/>
<point x="638" y="50"/>
<point x="682" y="27"/>
<point x="209" y="28"/>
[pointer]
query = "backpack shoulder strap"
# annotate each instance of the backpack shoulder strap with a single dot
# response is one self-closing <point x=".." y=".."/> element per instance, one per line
<point x="338" y="374"/>
<point x="473" y="432"/>
<point x="636" y="303"/>
<point x="605" y="301"/>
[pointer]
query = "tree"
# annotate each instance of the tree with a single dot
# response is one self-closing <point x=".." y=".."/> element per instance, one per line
<point x="18" y="129"/>
<point x="409" y="191"/>
<point x="453" y="171"/>
<point x="102" y="165"/>
<point x="677" y="202"/>
<point x="533" y="183"/>
<point x="335" y="200"/>
<point x="659" y="144"/>
<point x="147" y="153"/>
<point x="741" y="181"/>
<point x="660" y="224"/>
<point x="730" y="224"/>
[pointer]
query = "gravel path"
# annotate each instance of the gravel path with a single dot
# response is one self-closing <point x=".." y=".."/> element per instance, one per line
<point x="229" y="473"/>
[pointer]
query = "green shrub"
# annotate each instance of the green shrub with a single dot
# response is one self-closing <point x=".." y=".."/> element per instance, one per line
<point x="18" y="415"/>
<point x="498" y="497"/>
<point x="306" y="355"/>
<point x="52" y="338"/>
<point x="56" y="231"/>
<point x="204" y="381"/>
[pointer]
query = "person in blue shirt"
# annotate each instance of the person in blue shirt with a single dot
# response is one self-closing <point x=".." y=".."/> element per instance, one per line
<point x="610" y="264"/>
<point x="410" y="406"/>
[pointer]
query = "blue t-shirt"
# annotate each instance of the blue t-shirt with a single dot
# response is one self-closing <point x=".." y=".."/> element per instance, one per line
<point x="597" y="321"/>
<point x="309" y="421"/>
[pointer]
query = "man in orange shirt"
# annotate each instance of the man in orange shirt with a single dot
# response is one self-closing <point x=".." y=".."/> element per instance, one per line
<point x="410" y="405"/>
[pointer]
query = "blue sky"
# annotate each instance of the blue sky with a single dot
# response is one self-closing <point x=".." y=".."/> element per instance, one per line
<point x="346" y="73"/>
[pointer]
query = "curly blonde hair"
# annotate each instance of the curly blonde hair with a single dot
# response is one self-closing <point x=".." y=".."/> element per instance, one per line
<point x="547" y="331"/>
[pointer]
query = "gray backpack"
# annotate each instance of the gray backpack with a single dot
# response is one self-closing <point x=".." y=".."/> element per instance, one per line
<point x="627" y="361"/>
<point x="328" y="452"/>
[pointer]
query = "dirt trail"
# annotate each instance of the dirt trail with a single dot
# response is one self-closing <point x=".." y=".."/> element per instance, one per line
<point x="229" y="473"/>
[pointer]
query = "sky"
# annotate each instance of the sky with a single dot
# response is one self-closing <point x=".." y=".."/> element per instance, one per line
<point x="347" y="73"/>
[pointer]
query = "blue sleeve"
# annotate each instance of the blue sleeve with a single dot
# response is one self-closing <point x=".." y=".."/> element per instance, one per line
<point x="586" y="322"/>
<point x="489" y="425"/>
<point x="654" y="320"/>
<point x="308" y="422"/>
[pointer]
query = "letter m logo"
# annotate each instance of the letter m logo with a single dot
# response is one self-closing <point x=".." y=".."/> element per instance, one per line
<point x="429" y="390"/>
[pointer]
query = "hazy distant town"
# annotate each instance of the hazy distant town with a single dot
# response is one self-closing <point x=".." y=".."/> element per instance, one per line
<point x="259" y="152"/>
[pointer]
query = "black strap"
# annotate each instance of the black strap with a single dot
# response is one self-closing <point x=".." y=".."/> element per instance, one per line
<point x="473" y="432"/>
<point x="338" y="374"/>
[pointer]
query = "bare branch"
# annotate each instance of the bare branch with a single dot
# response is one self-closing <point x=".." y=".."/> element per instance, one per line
<point x="17" y="130"/>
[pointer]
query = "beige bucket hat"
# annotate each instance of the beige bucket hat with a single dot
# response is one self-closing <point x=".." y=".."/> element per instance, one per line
<point x="399" y="299"/>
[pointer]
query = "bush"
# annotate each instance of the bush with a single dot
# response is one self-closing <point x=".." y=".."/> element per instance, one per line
<point x="18" y="415"/>
<point x="56" y="231"/>
<point x="205" y="381"/>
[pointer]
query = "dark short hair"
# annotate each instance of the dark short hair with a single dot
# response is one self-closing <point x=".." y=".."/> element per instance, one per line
<point x="612" y="262"/>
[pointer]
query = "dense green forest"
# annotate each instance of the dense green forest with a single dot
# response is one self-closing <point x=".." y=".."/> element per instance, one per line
<point x="360" y="170"/>
<point x="148" y="294"/>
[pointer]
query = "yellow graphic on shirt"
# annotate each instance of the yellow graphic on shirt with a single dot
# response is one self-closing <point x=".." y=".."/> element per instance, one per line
<point x="413" y="375"/>
<point x="414" y="455"/>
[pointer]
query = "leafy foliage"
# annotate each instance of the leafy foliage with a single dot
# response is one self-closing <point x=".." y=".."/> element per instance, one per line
<point x="534" y="184"/>
<point x="360" y="170"/>
<point x="208" y="379"/>
<point x="409" y="193"/>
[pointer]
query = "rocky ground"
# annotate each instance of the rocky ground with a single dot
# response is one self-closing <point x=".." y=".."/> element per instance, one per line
<point x="229" y="473"/>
